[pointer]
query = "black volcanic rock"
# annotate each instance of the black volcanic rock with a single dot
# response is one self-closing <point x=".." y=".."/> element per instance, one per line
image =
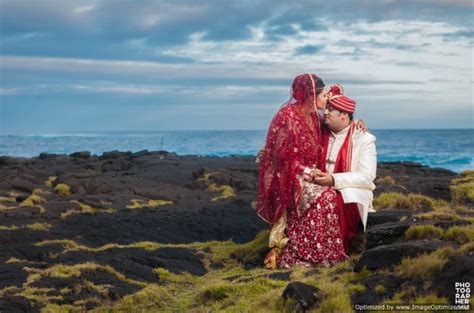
<point x="81" y="154"/>
<point x="15" y="304"/>
<point x="412" y="177"/>
<point x="102" y="209"/>
<point x="22" y="185"/>
<point x="384" y="216"/>
<point x="304" y="296"/>
<point x="458" y="269"/>
<point x="51" y="156"/>
<point x="387" y="256"/>
<point x="115" y="154"/>
<point x="386" y="233"/>
<point x="389" y="232"/>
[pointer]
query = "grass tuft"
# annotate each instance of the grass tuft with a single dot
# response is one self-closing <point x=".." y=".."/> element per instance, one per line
<point x="424" y="266"/>
<point x="465" y="249"/>
<point x="357" y="288"/>
<point x="388" y="180"/>
<point x="62" y="190"/>
<point x="49" y="182"/>
<point x="152" y="298"/>
<point x="64" y="308"/>
<point x="462" y="190"/>
<point x="460" y="234"/>
<point x="84" y="208"/>
<point x="423" y="232"/>
<point x="395" y="200"/>
<point x="66" y="271"/>
<point x="337" y="299"/>
<point x="11" y="227"/>
<point x="39" y="226"/>
<point x="140" y="204"/>
<point x="7" y="199"/>
<point x="35" y="227"/>
<point x="214" y="293"/>
<point x="379" y="289"/>
<point x="251" y="252"/>
<point x="226" y="191"/>
<point x="32" y="200"/>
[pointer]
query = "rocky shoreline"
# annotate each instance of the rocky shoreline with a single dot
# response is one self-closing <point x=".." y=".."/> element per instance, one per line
<point x="107" y="224"/>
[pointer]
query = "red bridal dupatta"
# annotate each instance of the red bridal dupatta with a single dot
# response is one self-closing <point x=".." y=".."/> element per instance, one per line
<point x="290" y="144"/>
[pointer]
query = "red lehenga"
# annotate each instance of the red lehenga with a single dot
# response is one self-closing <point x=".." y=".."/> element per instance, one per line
<point x="313" y="230"/>
<point x="312" y="217"/>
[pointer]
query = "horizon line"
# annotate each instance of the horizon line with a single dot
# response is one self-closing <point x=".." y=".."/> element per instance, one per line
<point x="198" y="130"/>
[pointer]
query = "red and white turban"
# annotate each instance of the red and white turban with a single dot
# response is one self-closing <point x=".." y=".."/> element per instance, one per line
<point x="340" y="102"/>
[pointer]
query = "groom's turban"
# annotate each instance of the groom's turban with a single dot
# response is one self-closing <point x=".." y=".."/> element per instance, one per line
<point x="340" y="102"/>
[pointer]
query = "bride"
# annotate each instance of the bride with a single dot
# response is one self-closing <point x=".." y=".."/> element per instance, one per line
<point x="305" y="223"/>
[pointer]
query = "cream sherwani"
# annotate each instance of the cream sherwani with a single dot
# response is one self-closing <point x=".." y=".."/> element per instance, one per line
<point x="357" y="185"/>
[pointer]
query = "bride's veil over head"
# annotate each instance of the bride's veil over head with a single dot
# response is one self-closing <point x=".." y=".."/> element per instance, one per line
<point x="290" y="144"/>
<point x="304" y="87"/>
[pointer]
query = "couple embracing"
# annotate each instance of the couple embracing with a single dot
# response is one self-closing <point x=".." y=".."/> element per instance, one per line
<point x="316" y="176"/>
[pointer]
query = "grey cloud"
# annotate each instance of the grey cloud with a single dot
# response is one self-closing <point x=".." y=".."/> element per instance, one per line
<point x="372" y="43"/>
<point x="309" y="49"/>
<point x="170" y="22"/>
<point x="468" y="34"/>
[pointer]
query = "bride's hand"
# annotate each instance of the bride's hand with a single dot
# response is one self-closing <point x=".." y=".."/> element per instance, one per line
<point x="360" y="124"/>
<point x="315" y="173"/>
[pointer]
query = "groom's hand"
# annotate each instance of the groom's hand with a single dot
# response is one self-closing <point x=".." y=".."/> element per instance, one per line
<point x="324" y="179"/>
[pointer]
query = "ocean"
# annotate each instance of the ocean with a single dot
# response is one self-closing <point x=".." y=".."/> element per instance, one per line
<point x="452" y="149"/>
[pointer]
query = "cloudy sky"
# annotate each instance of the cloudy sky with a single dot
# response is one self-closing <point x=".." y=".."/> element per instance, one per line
<point x="108" y="65"/>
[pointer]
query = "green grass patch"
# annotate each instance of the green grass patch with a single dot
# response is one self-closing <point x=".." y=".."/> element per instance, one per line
<point x="152" y="203"/>
<point x="460" y="234"/>
<point x="41" y="295"/>
<point x="251" y="252"/>
<point x="424" y="266"/>
<point x="357" y="288"/>
<point x="214" y="293"/>
<point x="62" y="190"/>
<point x="65" y="308"/>
<point x="32" y="200"/>
<point x="49" y="182"/>
<point x="84" y="208"/>
<point x="431" y="299"/>
<point x="379" y="289"/>
<point x="448" y="216"/>
<point x="462" y="189"/>
<point x="226" y="191"/>
<point x="11" y="227"/>
<point x="66" y="271"/>
<point x="388" y="180"/>
<point x="356" y="276"/>
<point x="466" y="248"/>
<point x="39" y="226"/>
<point x="395" y="200"/>
<point x="152" y="298"/>
<point x="423" y="232"/>
<point x="337" y="297"/>
<point x="34" y="227"/>
<point x="7" y="199"/>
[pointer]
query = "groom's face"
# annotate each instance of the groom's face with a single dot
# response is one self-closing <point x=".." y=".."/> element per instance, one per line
<point x="334" y="118"/>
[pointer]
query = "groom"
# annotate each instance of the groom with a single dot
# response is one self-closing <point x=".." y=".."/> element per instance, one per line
<point x="348" y="163"/>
